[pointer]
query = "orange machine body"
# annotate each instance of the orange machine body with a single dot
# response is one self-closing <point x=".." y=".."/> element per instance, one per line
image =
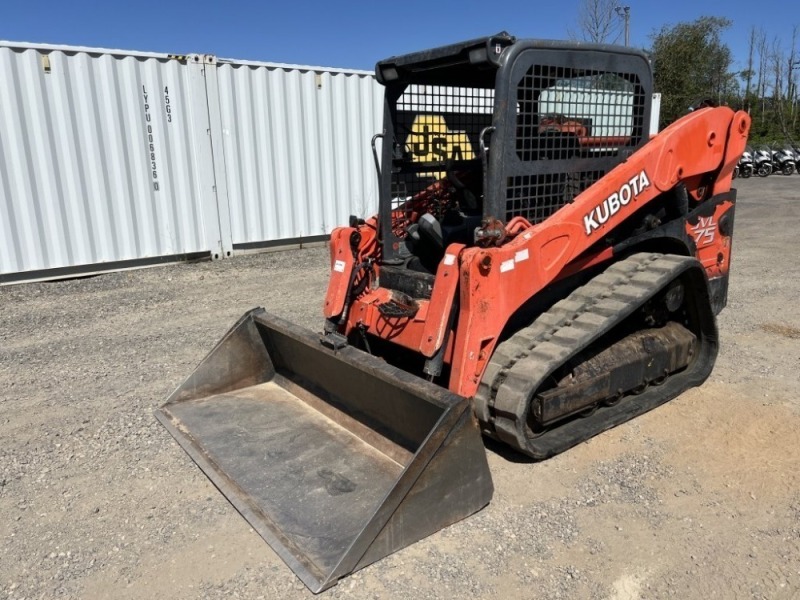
<point x="489" y="284"/>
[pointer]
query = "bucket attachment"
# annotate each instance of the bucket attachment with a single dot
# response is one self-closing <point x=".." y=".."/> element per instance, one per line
<point x="336" y="458"/>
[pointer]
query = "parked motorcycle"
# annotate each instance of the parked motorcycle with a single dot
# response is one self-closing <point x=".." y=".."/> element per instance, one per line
<point x="762" y="161"/>
<point x="744" y="167"/>
<point x="783" y="160"/>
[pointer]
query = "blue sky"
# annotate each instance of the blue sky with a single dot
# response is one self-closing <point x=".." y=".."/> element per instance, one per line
<point x="347" y="34"/>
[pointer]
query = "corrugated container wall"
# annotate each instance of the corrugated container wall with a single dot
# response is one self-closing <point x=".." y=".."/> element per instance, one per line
<point x="297" y="148"/>
<point x="113" y="158"/>
<point x="98" y="159"/>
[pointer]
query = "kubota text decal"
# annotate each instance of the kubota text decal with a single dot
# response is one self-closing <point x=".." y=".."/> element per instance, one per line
<point x="628" y="191"/>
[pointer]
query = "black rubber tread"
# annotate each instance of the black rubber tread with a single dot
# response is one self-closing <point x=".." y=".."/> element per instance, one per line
<point x="521" y="364"/>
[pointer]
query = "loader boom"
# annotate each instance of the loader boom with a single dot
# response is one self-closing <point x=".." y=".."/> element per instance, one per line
<point x="696" y="148"/>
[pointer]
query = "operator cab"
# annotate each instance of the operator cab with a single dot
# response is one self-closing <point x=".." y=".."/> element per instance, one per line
<point x="495" y="128"/>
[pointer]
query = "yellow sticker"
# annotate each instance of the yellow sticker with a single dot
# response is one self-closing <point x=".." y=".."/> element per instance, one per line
<point x="431" y="141"/>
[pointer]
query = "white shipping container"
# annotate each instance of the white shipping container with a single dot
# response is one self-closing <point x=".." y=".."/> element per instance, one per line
<point x="112" y="158"/>
<point x="296" y="144"/>
<point x="100" y="158"/>
<point x="610" y="112"/>
<point x="655" y="113"/>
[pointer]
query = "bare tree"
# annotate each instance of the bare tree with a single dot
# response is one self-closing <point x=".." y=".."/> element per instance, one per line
<point x="748" y="74"/>
<point x="763" y="61"/>
<point x="783" y="81"/>
<point x="598" y="22"/>
<point x="793" y="63"/>
<point x="777" y="57"/>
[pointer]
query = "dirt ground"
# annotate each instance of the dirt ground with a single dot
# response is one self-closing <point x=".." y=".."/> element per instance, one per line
<point x="697" y="499"/>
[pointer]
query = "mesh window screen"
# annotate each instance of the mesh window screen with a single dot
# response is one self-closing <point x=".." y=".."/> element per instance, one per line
<point x="436" y="150"/>
<point x="570" y="128"/>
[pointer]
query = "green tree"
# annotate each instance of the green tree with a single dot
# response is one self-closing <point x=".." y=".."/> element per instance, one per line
<point x="691" y="63"/>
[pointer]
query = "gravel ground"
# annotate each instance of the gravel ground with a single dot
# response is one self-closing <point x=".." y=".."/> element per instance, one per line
<point x="697" y="499"/>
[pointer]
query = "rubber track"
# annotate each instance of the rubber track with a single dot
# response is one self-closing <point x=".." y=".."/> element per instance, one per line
<point x="521" y="364"/>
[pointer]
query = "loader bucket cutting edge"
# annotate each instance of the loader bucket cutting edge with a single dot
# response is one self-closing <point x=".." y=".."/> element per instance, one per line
<point x="337" y="459"/>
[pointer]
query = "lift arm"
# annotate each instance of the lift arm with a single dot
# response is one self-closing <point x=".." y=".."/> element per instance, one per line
<point x="496" y="282"/>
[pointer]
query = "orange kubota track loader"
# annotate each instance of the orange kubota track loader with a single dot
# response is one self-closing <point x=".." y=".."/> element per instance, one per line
<point x="541" y="269"/>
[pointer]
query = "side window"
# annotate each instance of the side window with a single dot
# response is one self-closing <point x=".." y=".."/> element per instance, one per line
<point x="566" y="112"/>
<point x="436" y="124"/>
<point x="436" y="148"/>
<point x="572" y="126"/>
